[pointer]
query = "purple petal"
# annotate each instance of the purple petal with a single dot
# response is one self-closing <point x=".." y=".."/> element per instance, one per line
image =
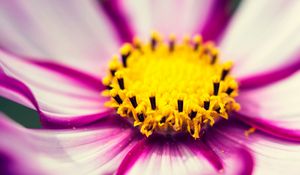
<point x="202" y="149"/>
<point x="76" y="33"/>
<point x="262" y="36"/>
<point x="183" y="155"/>
<point x="163" y="16"/>
<point x="274" y="108"/>
<point x="271" y="127"/>
<point x="218" y="20"/>
<point x="97" y="149"/>
<point x="269" y="77"/>
<point x="62" y="96"/>
<point x="117" y="17"/>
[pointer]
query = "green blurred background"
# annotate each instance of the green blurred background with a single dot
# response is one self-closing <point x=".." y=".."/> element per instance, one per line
<point x="23" y="115"/>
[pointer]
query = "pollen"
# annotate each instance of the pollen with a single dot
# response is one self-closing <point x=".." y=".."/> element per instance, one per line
<point x="167" y="86"/>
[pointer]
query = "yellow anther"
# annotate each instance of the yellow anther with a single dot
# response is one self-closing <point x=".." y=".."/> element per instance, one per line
<point x="205" y="97"/>
<point x="114" y="63"/>
<point x="129" y="94"/>
<point x="233" y="84"/>
<point x="216" y="79"/>
<point x="155" y="35"/>
<point x="113" y="92"/>
<point x="197" y="39"/>
<point x="227" y="65"/>
<point x="170" y="88"/>
<point x="120" y="74"/>
<point x="125" y="49"/>
<point x="136" y="42"/>
<point x="106" y="81"/>
<point x="186" y="39"/>
<point x="172" y="37"/>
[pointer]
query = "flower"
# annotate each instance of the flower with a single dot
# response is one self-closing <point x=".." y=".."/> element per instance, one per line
<point x="82" y="136"/>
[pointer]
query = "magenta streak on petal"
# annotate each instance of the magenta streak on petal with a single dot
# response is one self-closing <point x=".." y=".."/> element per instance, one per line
<point x="270" y="127"/>
<point x="202" y="149"/>
<point x="88" y="80"/>
<point x="270" y="77"/>
<point x="222" y="138"/>
<point x="115" y="13"/>
<point x="132" y="156"/>
<point x="248" y="161"/>
<point x="19" y="87"/>
<point x="76" y="75"/>
<point x="218" y="19"/>
<point x="48" y="119"/>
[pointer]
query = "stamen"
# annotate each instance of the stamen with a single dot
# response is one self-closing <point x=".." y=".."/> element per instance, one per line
<point x="216" y="87"/>
<point x="133" y="101"/>
<point x="137" y="43"/>
<point x="171" y="87"/>
<point x="153" y="102"/>
<point x="106" y="82"/>
<point x="118" y="99"/>
<point x="180" y="105"/>
<point x="172" y="43"/>
<point x="226" y="70"/>
<point x="163" y="119"/>
<point x="197" y="41"/>
<point x="229" y="91"/>
<point x="206" y="105"/>
<point x="141" y="117"/>
<point x="154" y="40"/>
<point x="193" y="114"/>
<point x="214" y="56"/>
<point x="120" y="80"/>
<point x="114" y="65"/>
<point x="125" y="52"/>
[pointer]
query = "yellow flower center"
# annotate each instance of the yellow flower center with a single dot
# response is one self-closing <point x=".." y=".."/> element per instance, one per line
<point x="168" y="87"/>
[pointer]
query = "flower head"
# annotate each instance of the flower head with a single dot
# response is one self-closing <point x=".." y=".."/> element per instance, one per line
<point x="171" y="87"/>
<point x="223" y="102"/>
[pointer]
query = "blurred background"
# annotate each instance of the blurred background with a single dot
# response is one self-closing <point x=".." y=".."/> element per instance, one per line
<point x="23" y="115"/>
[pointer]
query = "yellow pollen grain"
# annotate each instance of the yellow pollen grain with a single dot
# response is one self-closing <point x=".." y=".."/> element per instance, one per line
<point x="250" y="131"/>
<point x="176" y="87"/>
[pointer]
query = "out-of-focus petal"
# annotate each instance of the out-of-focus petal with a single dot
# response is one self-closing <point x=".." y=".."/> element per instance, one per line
<point x="97" y="149"/>
<point x="117" y="17"/>
<point x="262" y="35"/>
<point x="166" y="17"/>
<point x="61" y="94"/>
<point x="163" y="157"/>
<point x="73" y="32"/>
<point x="218" y="19"/>
<point x="269" y="77"/>
<point x="274" y="108"/>
<point x="171" y="156"/>
<point x="271" y="155"/>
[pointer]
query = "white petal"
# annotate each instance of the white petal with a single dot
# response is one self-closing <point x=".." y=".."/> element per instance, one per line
<point x="94" y="150"/>
<point x="271" y="155"/>
<point x="72" y="32"/>
<point x="166" y="17"/>
<point x="276" y="104"/>
<point x="61" y="96"/>
<point x="262" y="35"/>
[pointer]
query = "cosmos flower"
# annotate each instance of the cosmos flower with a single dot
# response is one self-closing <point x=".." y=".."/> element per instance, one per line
<point x="168" y="106"/>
